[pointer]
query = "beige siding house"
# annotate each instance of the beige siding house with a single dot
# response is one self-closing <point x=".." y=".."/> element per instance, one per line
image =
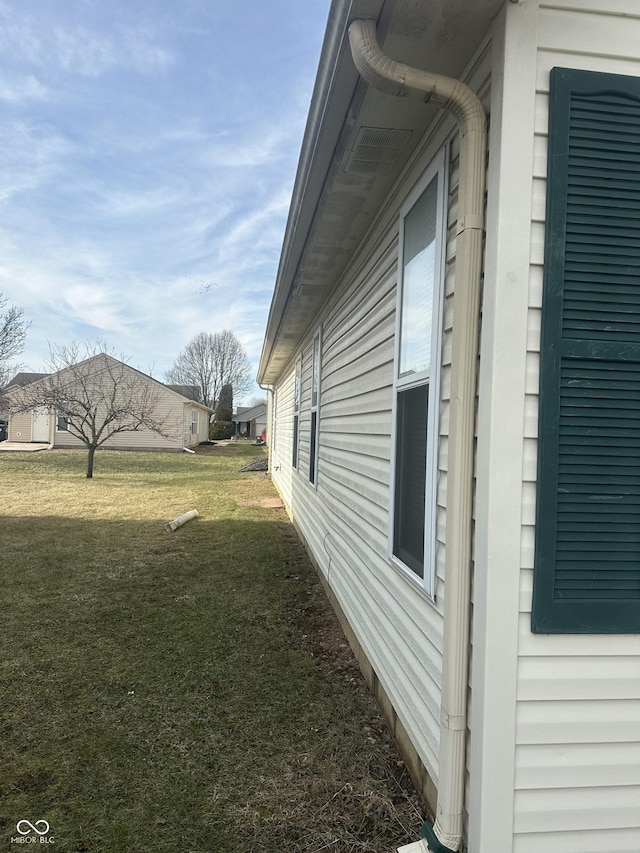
<point x="184" y="421"/>
<point x="453" y="350"/>
<point x="250" y="421"/>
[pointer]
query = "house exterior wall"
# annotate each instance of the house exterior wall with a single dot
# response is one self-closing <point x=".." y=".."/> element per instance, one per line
<point x="555" y="756"/>
<point x="191" y="439"/>
<point x="578" y="732"/>
<point x="554" y="727"/>
<point x="344" y="518"/>
<point x="20" y="427"/>
<point x="173" y="412"/>
<point x="251" y="421"/>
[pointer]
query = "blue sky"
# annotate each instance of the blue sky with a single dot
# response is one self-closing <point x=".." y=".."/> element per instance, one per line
<point x="147" y="156"/>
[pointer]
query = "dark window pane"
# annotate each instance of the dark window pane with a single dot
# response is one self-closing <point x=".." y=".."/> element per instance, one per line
<point x="411" y="457"/>
<point x="312" y="447"/>
<point x="295" y="441"/>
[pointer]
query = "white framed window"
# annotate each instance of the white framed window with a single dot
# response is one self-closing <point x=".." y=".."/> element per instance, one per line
<point x="194" y="421"/>
<point x="297" y="394"/>
<point x="274" y="420"/>
<point x="316" y="365"/>
<point x="62" y="423"/>
<point x="417" y="377"/>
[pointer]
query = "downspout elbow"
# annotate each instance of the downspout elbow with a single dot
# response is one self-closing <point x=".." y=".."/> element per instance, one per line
<point x="403" y="81"/>
<point x="396" y="78"/>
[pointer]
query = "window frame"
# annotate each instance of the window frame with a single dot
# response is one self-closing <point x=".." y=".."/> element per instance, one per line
<point x="297" y="400"/>
<point x="314" y="410"/>
<point x="274" y="419"/>
<point x="437" y="170"/>
<point x="195" y="421"/>
<point x="60" y="418"/>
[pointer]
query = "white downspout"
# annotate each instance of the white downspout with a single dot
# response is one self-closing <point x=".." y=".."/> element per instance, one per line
<point x="270" y="431"/>
<point x="400" y="80"/>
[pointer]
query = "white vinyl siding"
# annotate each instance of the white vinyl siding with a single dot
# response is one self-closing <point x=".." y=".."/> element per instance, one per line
<point x="578" y="710"/>
<point x="346" y="520"/>
<point x="349" y="536"/>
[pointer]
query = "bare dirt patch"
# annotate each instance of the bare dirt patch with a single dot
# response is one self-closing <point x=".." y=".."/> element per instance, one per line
<point x="266" y="503"/>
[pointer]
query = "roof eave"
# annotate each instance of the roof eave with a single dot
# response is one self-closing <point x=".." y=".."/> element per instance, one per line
<point x="336" y="83"/>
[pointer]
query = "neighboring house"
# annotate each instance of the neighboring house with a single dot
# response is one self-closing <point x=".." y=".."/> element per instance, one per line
<point x="250" y="421"/>
<point x="21" y="379"/>
<point x="18" y="381"/>
<point x="453" y="417"/>
<point x="192" y="392"/>
<point x="186" y="420"/>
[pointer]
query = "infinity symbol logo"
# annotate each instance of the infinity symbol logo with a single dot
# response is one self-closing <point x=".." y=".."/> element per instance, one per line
<point x="32" y="827"/>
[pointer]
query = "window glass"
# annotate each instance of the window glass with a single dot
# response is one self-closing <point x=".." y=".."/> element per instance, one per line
<point x="315" y="379"/>
<point x="411" y="458"/>
<point x="297" y="386"/>
<point x="315" y="399"/>
<point x="418" y="274"/>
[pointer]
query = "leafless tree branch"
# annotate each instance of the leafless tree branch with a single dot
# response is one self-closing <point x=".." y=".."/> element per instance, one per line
<point x="13" y="333"/>
<point x="211" y="361"/>
<point x="98" y="395"/>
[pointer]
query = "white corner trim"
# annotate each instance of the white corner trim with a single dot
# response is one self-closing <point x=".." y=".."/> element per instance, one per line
<point x="501" y="440"/>
<point x="416" y="847"/>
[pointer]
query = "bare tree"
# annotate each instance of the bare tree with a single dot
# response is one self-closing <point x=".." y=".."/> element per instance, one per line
<point x="95" y="395"/>
<point x="211" y="361"/>
<point x="13" y="332"/>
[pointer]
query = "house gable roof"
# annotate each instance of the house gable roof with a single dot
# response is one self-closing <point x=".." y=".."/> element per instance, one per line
<point x="250" y="413"/>
<point x="21" y="379"/>
<point x="187" y="393"/>
<point x="191" y="392"/>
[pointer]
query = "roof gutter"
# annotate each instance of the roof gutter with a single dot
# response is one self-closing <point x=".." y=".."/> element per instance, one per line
<point x="403" y="81"/>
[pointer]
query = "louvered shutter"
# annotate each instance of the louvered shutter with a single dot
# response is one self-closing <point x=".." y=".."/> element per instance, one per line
<point x="587" y="563"/>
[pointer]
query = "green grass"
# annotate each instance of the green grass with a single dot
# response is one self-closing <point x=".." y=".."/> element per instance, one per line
<point x="186" y="691"/>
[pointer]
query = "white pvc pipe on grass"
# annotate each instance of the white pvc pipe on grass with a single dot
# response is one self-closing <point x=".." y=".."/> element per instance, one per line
<point x="180" y="520"/>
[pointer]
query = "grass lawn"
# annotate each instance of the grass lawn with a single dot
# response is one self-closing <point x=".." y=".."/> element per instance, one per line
<point x="187" y="692"/>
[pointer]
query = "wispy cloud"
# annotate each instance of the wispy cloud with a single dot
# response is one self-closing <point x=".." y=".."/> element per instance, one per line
<point x="76" y="48"/>
<point x="81" y="51"/>
<point x="144" y="147"/>
<point x="30" y="154"/>
<point x="17" y="90"/>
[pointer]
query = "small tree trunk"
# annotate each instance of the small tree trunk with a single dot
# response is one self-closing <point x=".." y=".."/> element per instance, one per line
<point x="92" y="451"/>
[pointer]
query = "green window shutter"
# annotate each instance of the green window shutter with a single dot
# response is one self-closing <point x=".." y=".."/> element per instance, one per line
<point x="587" y="561"/>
